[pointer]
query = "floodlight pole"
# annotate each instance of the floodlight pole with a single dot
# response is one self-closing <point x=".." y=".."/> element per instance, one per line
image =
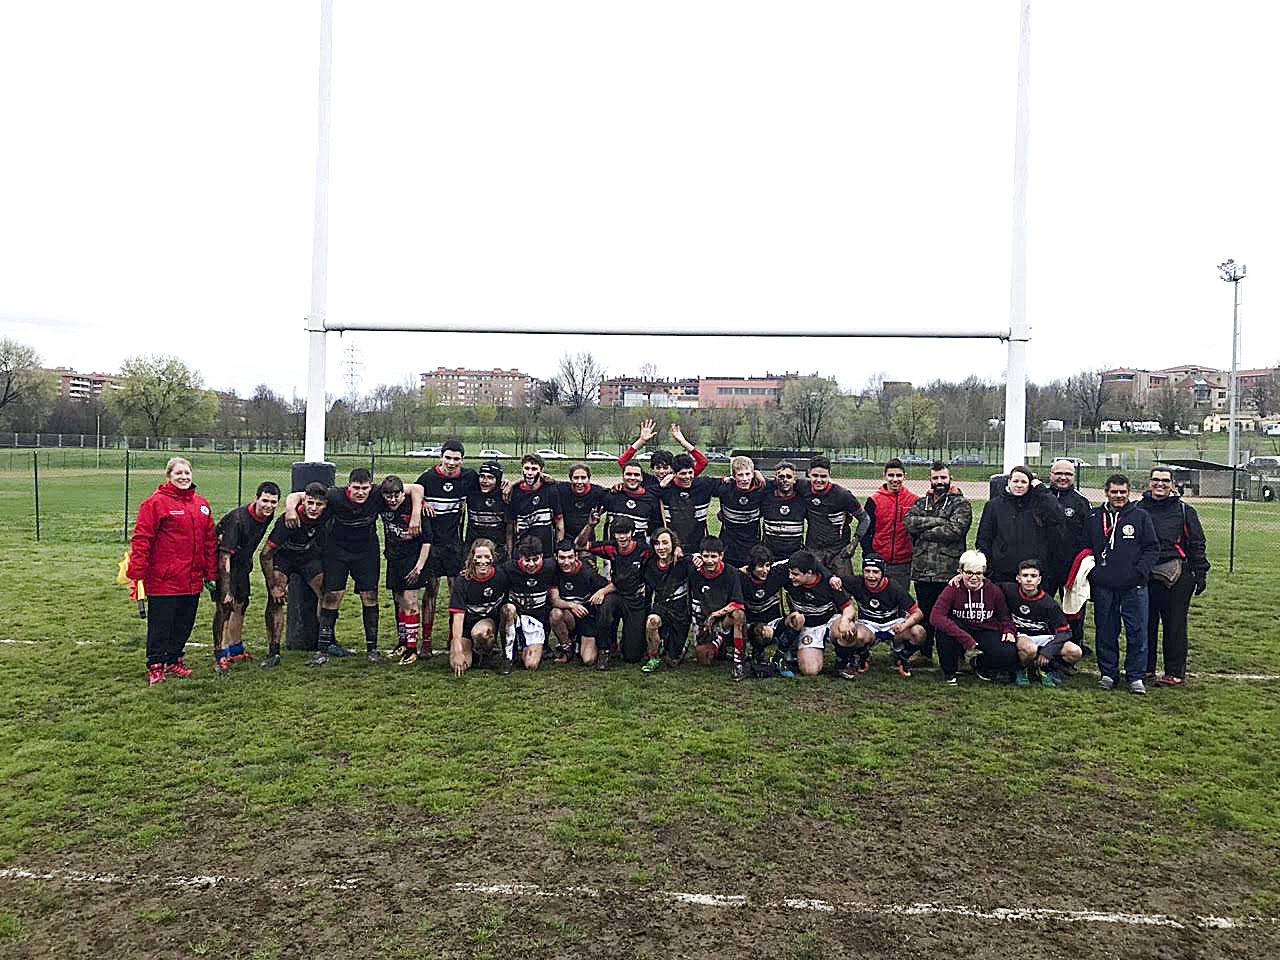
<point x="1233" y="273"/>
<point x="313" y="448"/>
<point x="1015" y="387"/>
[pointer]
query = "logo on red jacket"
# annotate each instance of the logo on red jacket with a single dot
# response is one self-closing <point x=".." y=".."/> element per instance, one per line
<point x="204" y="508"/>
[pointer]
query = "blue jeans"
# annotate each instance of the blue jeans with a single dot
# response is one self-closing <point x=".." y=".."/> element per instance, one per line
<point x="1110" y="607"/>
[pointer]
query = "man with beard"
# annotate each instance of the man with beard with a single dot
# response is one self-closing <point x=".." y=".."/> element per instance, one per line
<point x="938" y="524"/>
<point x="782" y="513"/>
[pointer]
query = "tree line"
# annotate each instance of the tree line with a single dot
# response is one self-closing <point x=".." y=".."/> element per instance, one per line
<point x="163" y="396"/>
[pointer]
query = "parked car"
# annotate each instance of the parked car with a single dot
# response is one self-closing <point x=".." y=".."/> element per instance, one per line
<point x="1272" y="431"/>
<point x="600" y="455"/>
<point x="494" y="455"/>
<point x="1263" y="464"/>
<point x="850" y="459"/>
<point x="551" y="455"/>
<point x="915" y="459"/>
<point x="969" y="460"/>
<point x="715" y="456"/>
<point x="425" y="452"/>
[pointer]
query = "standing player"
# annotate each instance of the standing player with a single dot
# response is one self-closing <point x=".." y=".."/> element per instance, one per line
<point x="819" y="612"/>
<point x="715" y="592"/>
<point x="667" y="577"/>
<point x="486" y="509"/>
<point x="762" y="584"/>
<point x="885" y="614"/>
<point x="407" y="556"/>
<point x="580" y="499"/>
<point x="444" y="493"/>
<point x="626" y="602"/>
<point x="662" y="461"/>
<point x="351" y="551"/>
<point x="782" y="511"/>
<point x="239" y="534"/>
<point x="1044" y="636"/>
<point x="740" y="496"/>
<point x="534" y="509"/>
<point x="527" y="613"/>
<point x="634" y="501"/>
<point x="836" y="520"/>
<point x="577" y="589"/>
<point x="686" y="500"/>
<point x="295" y="552"/>
<point x="887" y="534"/>
<point x="475" y="604"/>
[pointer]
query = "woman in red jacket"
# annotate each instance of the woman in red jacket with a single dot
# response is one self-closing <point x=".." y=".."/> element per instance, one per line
<point x="174" y="553"/>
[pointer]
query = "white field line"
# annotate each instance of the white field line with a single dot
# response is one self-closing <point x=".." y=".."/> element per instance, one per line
<point x="710" y="900"/>
<point x="1242" y="677"/>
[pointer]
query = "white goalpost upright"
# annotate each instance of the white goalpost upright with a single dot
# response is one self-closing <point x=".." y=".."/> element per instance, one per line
<point x="1017" y="333"/>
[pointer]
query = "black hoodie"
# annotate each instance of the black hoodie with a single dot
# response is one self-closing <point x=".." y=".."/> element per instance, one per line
<point x="1125" y="547"/>
<point x="1178" y="527"/>
<point x="1030" y="527"/>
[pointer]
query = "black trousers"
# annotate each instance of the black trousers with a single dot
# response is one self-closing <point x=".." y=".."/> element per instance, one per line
<point x="1169" y="605"/>
<point x="632" y="612"/>
<point x="927" y="593"/>
<point x="996" y="654"/>
<point x="169" y="623"/>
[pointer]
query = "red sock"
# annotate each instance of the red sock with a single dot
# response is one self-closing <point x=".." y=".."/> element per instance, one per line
<point x="739" y="646"/>
<point x="411" y="621"/>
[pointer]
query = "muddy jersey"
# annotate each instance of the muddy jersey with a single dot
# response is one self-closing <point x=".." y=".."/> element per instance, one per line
<point x="883" y="605"/>
<point x="709" y="593"/>
<point x="831" y="516"/>
<point x="446" y="496"/>
<point x="641" y="505"/>
<point x="302" y="542"/>
<point x="817" y="603"/>
<point x="577" y="507"/>
<point x="668" y="585"/>
<point x="478" y="599"/>
<point x="533" y="512"/>
<point x="239" y="534"/>
<point x="739" y="520"/>
<point x="783" y="521"/>
<point x="688" y="508"/>
<point x="531" y="592"/>
<point x="352" y="526"/>
<point x="486" y="517"/>
<point x="1038" y="616"/>
<point x="763" y="598"/>
<point x="397" y="541"/>
<point x="579" y="586"/>
<point x="627" y="569"/>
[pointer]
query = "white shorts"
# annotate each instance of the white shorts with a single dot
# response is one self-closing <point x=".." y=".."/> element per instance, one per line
<point x="531" y="629"/>
<point x="881" y="632"/>
<point x="1040" y="640"/>
<point x="814" y="638"/>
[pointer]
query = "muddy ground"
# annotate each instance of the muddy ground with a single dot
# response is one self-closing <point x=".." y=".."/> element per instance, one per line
<point x="400" y="902"/>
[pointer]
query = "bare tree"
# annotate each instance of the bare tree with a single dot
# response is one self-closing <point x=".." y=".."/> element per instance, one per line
<point x="723" y="423"/>
<point x="556" y="423"/>
<point x="756" y="420"/>
<point x="524" y="427"/>
<point x="1088" y="398"/>
<point x="579" y="377"/>
<point x="1172" y="407"/>
<point x="549" y="392"/>
<point x="913" y="418"/>
<point x="623" y="425"/>
<point x="27" y="391"/>
<point x="589" y="424"/>
<point x="808" y="404"/>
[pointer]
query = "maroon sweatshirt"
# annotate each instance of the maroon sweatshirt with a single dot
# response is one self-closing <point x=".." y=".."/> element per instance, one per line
<point x="959" y="611"/>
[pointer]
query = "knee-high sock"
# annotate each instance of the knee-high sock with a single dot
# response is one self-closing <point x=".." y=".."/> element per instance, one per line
<point x="410" y="624"/>
<point x="328" y="627"/>
<point x="370" y="616"/>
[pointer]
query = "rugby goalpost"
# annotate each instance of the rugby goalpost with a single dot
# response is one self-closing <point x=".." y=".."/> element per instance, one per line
<point x="1017" y="334"/>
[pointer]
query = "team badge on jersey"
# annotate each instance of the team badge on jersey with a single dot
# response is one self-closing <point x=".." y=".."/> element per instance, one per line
<point x="1127" y="530"/>
<point x="488" y="591"/>
<point x="1069" y="511"/>
<point x="784" y="510"/>
<point x="631" y="504"/>
<point x="448" y="487"/>
<point x="1024" y="609"/>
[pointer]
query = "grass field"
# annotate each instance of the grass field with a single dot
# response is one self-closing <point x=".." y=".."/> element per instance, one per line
<point x="344" y="805"/>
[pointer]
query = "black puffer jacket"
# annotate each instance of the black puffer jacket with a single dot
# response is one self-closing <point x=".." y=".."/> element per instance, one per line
<point x="1181" y="535"/>
<point x="1029" y="527"/>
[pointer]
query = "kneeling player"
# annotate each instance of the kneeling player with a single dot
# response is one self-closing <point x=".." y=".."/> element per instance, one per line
<point x="715" y="592"/>
<point x="885" y="615"/>
<point x="295" y="552"/>
<point x="1044" y="635"/>
<point x="526" y="613"/>
<point x="475" y="603"/>
<point x="819" y="612"/>
<point x="626" y="602"/>
<point x="577" y="588"/>
<point x="666" y="628"/>
<point x="762" y="584"/>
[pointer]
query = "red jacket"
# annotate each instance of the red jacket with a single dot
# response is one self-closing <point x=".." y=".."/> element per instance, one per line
<point x="175" y="546"/>
<point x="887" y="534"/>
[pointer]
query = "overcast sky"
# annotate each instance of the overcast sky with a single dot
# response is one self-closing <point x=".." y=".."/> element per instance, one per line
<point x="742" y="165"/>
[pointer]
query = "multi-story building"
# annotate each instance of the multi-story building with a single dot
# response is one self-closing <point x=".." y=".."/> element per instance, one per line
<point x="640" y="392"/>
<point x="460" y="387"/>
<point x="742" y="391"/>
<point x="1210" y="388"/>
<point x="84" y="387"/>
